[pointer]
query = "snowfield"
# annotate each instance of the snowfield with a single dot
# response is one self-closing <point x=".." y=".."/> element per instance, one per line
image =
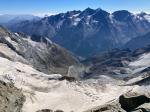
<point x="42" y="93"/>
<point x="144" y="60"/>
<point x="140" y="64"/>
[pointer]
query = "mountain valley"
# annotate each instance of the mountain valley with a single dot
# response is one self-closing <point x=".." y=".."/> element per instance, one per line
<point x="79" y="61"/>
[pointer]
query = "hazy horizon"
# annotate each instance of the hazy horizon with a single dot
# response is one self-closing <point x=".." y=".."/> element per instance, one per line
<point x="51" y="7"/>
<point x="49" y="14"/>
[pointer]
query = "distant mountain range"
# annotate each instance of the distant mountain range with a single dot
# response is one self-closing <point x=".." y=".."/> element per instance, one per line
<point x="87" y="32"/>
<point x="6" y="19"/>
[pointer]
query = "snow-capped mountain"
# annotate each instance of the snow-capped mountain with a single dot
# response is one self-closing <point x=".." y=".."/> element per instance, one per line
<point x="90" y="31"/>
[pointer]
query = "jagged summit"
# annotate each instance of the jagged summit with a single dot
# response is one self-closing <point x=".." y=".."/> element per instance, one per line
<point x="122" y="15"/>
<point x="89" y="31"/>
<point x="87" y="11"/>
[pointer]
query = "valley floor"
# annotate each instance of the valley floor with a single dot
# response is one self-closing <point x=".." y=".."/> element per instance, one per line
<point x="42" y="93"/>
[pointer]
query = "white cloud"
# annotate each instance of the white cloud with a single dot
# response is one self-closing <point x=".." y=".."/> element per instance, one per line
<point x="139" y="11"/>
<point x="44" y="14"/>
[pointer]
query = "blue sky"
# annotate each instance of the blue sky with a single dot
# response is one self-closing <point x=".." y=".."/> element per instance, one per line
<point x="56" y="6"/>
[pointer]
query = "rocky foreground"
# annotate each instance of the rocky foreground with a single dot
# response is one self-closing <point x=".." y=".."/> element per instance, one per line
<point x="11" y="98"/>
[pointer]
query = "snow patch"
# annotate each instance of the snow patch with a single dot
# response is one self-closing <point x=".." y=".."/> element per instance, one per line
<point x="76" y="21"/>
<point x="137" y="17"/>
<point x="76" y="15"/>
<point x="143" y="60"/>
<point x="111" y="18"/>
<point x="147" y="17"/>
<point x="88" y="20"/>
<point x="94" y="21"/>
<point x="17" y="34"/>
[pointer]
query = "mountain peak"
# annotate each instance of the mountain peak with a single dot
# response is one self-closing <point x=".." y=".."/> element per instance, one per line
<point x="88" y="11"/>
<point x="71" y="13"/>
<point x="98" y="9"/>
<point x="125" y="12"/>
<point x="121" y="14"/>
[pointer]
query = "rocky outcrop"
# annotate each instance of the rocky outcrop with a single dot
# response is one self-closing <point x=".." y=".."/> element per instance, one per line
<point x="45" y="110"/>
<point x="11" y="98"/>
<point x="125" y="103"/>
<point x="48" y="110"/>
<point x="70" y="79"/>
<point x="129" y="103"/>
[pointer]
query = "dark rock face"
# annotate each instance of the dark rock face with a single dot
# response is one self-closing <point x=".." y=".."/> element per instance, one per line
<point x="58" y="111"/>
<point x="45" y="55"/>
<point x="87" y="32"/>
<point x="132" y="103"/>
<point x="122" y="15"/>
<point x="70" y="79"/>
<point x="11" y="98"/>
<point x="125" y="104"/>
<point x="48" y="110"/>
<point x="138" y="42"/>
<point x="45" y="110"/>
